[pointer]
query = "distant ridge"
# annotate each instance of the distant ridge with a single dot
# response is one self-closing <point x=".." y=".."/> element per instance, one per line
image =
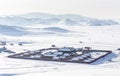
<point x="51" y="19"/>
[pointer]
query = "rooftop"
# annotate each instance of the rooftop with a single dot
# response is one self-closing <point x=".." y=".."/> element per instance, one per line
<point x="66" y="49"/>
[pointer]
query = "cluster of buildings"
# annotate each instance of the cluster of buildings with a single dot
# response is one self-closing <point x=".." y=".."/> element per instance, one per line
<point x="64" y="54"/>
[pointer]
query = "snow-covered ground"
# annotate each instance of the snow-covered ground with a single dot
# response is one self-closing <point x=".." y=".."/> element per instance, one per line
<point x="98" y="37"/>
<point x="43" y="36"/>
<point x="18" y="67"/>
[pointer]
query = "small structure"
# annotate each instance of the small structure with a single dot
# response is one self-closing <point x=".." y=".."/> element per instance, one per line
<point x="80" y="42"/>
<point x="3" y="43"/>
<point x="20" y="44"/>
<point x="53" y="46"/>
<point x="11" y="44"/>
<point x="86" y="49"/>
<point x="4" y="49"/>
<point x="67" y="49"/>
<point x="118" y="49"/>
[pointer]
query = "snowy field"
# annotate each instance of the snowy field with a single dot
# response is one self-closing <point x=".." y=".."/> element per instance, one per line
<point x="97" y="37"/>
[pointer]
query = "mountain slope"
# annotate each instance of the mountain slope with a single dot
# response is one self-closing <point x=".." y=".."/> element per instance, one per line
<point x="22" y="31"/>
<point x="49" y="19"/>
<point x="18" y="25"/>
<point x="56" y="29"/>
<point x="12" y="31"/>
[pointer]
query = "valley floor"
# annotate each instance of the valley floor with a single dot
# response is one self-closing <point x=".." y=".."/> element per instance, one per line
<point x="103" y="37"/>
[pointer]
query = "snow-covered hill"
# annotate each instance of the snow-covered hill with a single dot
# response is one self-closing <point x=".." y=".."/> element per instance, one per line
<point x="8" y="30"/>
<point x="42" y="24"/>
<point x="50" y="19"/>
<point x="56" y="29"/>
<point x="12" y="31"/>
<point x="43" y="30"/>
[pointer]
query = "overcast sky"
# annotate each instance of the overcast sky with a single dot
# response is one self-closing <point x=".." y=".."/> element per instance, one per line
<point x="91" y="8"/>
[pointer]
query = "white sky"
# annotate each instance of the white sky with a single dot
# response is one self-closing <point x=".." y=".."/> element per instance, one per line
<point x="91" y="8"/>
